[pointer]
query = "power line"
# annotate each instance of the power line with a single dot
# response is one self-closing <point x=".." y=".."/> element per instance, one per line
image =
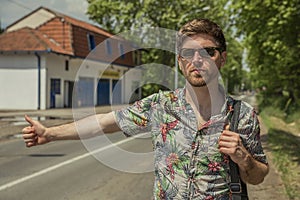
<point x="26" y="7"/>
<point x="19" y="4"/>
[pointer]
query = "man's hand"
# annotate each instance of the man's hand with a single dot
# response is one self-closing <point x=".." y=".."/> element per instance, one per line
<point x="251" y="170"/>
<point x="35" y="133"/>
<point x="231" y="144"/>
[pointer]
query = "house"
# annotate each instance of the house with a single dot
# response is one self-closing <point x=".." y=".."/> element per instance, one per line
<point x="51" y="60"/>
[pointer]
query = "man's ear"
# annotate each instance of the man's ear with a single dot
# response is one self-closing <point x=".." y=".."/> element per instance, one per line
<point x="223" y="58"/>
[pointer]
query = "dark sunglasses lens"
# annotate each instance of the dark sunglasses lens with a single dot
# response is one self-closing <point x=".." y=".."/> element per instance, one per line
<point x="210" y="52"/>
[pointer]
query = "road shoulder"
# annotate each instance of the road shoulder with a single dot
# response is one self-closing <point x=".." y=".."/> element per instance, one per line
<point x="272" y="187"/>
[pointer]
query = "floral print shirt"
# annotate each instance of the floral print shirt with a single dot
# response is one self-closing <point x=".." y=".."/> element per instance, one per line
<point x="188" y="164"/>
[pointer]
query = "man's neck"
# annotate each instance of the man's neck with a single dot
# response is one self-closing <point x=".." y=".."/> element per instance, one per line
<point x="208" y="100"/>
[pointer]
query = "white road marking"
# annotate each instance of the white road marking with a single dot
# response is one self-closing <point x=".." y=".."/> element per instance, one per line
<point x="54" y="167"/>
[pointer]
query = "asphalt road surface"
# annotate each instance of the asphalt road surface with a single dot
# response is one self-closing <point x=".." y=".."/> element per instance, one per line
<point x="65" y="170"/>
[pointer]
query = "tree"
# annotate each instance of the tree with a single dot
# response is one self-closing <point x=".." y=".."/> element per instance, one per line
<point x="272" y="37"/>
<point x="119" y="15"/>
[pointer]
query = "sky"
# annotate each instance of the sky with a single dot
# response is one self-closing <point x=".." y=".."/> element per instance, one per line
<point x="13" y="10"/>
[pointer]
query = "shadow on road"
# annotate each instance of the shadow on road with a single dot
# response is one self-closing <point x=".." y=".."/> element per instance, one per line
<point x="46" y="155"/>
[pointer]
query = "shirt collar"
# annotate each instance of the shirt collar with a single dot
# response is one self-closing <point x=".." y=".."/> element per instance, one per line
<point x="181" y="94"/>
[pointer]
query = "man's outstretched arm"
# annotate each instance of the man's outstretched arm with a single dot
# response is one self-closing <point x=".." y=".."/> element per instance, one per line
<point x="37" y="134"/>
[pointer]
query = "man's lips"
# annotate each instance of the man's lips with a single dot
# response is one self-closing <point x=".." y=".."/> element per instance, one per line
<point x="198" y="70"/>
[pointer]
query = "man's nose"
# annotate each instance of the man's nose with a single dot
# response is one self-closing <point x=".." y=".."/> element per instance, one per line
<point x="197" y="59"/>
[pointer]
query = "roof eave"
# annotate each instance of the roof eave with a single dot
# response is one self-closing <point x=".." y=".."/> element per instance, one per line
<point x="47" y="51"/>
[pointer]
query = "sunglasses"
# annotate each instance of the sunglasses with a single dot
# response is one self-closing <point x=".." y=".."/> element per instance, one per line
<point x="206" y="52"/>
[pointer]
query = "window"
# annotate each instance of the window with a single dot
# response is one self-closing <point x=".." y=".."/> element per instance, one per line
<point x="121" y="49"/>
<point x="91" y="40"/>
<point x="67" y="65"/>
<point x="55" y="86"/>
<point x="108" y="47"/>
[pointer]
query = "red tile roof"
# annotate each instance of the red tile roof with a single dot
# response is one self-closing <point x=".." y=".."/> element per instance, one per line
<point x="80" y="23"/>
<point x="55" y="35"/>
<point x="28" y="39"/>
<point x="87" y="26"/>
<point x="65" y="35"/>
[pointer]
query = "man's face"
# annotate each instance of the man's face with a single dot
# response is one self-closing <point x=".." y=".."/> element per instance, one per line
<point x="200" y="59"/>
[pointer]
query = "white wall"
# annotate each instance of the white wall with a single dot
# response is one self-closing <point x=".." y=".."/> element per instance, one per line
<point x="18" y="82"/>
<point x="130" y="77"/>
<point x="55" y="65"/>
<point x="78" y="68"/>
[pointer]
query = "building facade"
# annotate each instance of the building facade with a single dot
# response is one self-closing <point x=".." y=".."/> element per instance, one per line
<point x="50" y="60"/>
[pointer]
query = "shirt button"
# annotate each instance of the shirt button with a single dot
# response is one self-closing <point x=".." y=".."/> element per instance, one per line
<point x="192" y="171"/>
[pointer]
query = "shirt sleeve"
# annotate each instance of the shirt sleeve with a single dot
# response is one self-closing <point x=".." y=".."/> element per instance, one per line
<point x="136" y="118"/>
<point x="249" y="129"/>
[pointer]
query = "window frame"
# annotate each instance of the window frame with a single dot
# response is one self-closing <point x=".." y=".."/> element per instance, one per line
<point x="91" y="41"/>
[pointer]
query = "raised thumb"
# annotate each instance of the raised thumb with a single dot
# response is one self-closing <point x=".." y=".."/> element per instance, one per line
<point x="29" y="120"/>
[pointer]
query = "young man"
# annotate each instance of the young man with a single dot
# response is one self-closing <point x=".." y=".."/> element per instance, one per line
<point x="189" y="126"/>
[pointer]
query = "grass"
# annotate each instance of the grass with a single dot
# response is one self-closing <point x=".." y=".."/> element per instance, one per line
<point x="284" y="141"/>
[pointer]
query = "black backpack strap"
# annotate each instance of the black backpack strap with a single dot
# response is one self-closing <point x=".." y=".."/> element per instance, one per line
<point x="238" y="188"/>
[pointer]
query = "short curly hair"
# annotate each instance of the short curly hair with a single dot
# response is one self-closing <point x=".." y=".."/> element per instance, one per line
<point x="198" y="26"/>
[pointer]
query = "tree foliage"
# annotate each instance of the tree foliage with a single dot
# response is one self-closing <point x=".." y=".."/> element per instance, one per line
<point x="121" y="15"/>
<point x="271" y="33"/>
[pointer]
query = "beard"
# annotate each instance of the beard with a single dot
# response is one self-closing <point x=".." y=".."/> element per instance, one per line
<point x="197" y="81"/>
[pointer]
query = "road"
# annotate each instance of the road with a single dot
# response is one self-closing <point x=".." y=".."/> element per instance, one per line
<point x="38" y="173"/>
